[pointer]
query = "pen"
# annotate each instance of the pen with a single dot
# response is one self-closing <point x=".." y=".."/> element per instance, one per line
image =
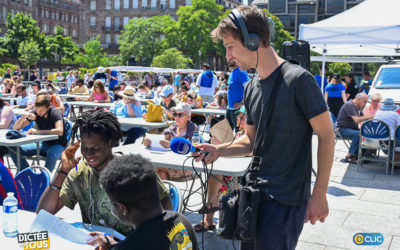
<point x="76" y="167"/>
<point x="105" y="236"/>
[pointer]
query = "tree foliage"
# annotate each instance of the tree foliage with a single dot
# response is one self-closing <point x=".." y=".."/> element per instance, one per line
<point x="281" y="35"/>
<point x="21" y="28"/>
<point x="93" y="55"/>
<point x="29" y="52"/>
<point x="142" y="37"/>
<point x="191" y="33"/>
<point x="61" y="47"/>
<point x="171" y="58"/>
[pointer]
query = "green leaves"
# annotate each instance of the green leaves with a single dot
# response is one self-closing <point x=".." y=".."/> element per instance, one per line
<point x="61" y="47"/>
<point x="171" y="58"/>
<point x="29" y="52"/>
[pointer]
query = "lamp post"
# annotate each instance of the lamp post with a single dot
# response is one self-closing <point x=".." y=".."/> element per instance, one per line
<point x="200" y="59"/>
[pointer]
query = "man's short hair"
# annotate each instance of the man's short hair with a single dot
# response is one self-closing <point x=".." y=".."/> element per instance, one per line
<point x="367" y="73"/>
<point x="42" y="101"/>
<point x="80" y="81"/>
<point x="21" y="86"/>
<point x="256" y="22"/>
<point x="131" y="180"/>
<point x="98" y="122"/>
<point x="206" y="66"/>
<point x="361" y="95"/>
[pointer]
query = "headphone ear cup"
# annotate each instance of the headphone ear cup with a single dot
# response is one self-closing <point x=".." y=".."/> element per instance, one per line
<point x="254" y="42"/>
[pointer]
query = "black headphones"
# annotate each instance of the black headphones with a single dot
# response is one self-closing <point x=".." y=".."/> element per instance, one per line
<point x="251" y="41"/>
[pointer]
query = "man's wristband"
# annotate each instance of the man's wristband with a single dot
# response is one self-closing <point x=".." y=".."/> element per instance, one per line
<point x="62" y="171"/>
<point x="55" y="187"/>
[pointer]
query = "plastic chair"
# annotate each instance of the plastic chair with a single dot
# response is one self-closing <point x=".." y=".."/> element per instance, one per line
<point x="175" y="195"/>
<point x="396" y="147"/>
<point x="338" y="135"/>
<point x="67" y="109"/>
<point x="63" y="91"/>
<point x="31" y="186"/>
<point x="377" y="133"/>
<point x="7" y="184"/>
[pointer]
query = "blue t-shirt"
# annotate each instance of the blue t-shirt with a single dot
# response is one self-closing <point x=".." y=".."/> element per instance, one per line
<point x="113" y="82"/>
<point x="120" y="109"/>
<point x="176" y="83"/>
<point x="236" y="82"/>
<point x="335" y="90"/>
<point x="318" y="79"/>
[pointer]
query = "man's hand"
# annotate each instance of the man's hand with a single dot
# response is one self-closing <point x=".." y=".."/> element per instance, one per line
<point x="317" y="209"/>
<point x="68" y="157"/>
<point x="237" y="105"/>
<point x="32" y="131"/>
<point x="147" y="142"/>
<point x="101" y="242"/>
<point x="211" y="156"/>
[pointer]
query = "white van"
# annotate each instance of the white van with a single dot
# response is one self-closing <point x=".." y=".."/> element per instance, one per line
<point x="387" y="82"/>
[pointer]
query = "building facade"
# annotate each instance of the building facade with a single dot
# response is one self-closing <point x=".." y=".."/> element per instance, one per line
<point x="292" y="13"/>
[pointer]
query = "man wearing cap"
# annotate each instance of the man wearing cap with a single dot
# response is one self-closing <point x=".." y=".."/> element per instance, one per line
<point x="167" y="102"/>
<point x="388" y="114"/>
<point x="350" y="115"/>
<point x="207" y="82"/>
<point x="100" y="75"/>
<point x="129" y="107"/>
<point x="236" y="82"/>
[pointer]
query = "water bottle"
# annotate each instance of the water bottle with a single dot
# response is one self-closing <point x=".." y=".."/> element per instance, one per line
<point x="196" y="139"/>
<point x="10" y="209"/>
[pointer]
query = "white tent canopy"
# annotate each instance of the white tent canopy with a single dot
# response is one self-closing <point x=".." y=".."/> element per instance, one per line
<point x="351" y="59"/>
<point x="141" y="69"/>
<point x="371" y="28"/>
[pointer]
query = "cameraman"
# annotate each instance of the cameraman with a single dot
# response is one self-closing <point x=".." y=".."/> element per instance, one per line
<point x="286" y="163"/>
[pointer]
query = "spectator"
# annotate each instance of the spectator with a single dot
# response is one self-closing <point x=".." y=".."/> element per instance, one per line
<point x="144" y="92"/>
<point x="182" y="127"/>
<point x="167" y="102"/>
<point x="7" y="74"/>
<point x="351" y="90"/>
<point x="207" y="82"/>
<point x="70" y="80"/>
<point x="365" y="83"/>
<point x="129" y="107"/>
<point x="375" y="105"/>
<point x="131" y="186"/>
<point x="80" y="88"/>
<point x="318" y="79"/>
<point x="350" y="115"/>
<point x="237" y="81"/>
<point x="98" y="95"/>
<point x="36" y="87"/>
<point x="59" y="77"/>
<point x="112" y="77"/>
<point x="9" y="88"/>
<point x="55" y="100"/>
<point x="222" y="104"/>
<point x="23" y="98"/>
<point x="48" y="120"/>
<point x="196" y="102"/>
<point x="335" y="95"/>
<point x="99" y="131"/>
<point x="34" y="76"/>
<point x="17" y="73"/>
<point x="7" y="121"/>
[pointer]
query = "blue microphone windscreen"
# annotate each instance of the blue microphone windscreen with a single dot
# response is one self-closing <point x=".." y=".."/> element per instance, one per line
<point x="181" y="146"/>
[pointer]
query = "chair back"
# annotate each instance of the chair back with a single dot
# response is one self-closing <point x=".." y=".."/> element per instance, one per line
<point x="175" y="195"/>
<point x="31" y="186"/>
<point x="7" y="184"/>
<point x="67" y="108"/>
<point x="375" y="129"/>
<point x="397" y="134"/>
<point x="68" y="129"/>
<point x="63" y="91"/>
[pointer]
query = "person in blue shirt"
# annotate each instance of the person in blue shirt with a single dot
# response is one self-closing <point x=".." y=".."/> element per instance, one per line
<point x="236" y="82"/>
<point x="365" y="83"/>
<point x="112" y="76"/>
<point x="335" y="95"/>
<point x="319" y="77"/>
<point x="129" y="107"/>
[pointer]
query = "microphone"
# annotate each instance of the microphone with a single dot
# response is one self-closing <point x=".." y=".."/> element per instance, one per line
<point x="182" y="146"/>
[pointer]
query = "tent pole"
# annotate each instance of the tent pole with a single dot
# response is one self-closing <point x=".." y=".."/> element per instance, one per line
<point x="323" y="69"/>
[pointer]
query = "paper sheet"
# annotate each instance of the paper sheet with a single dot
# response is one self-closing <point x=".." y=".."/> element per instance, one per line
<point x="45" y="221"/>
<point x="155" y="142"/>
<point x="223" y="131"/>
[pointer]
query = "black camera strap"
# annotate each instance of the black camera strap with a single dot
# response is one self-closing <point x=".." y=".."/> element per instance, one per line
<point x="262" y="127"/>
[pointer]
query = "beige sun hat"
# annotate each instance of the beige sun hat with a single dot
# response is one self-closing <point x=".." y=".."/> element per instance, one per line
<point x="129" y="92"/>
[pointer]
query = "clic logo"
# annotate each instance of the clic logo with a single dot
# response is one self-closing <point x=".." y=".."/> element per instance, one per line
<point x="364" y="239"/>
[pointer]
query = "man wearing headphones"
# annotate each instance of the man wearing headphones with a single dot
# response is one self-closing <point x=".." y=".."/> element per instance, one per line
<point x="297" y="111"/>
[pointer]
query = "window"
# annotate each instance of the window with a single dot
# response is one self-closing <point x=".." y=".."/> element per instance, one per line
<point x="30" y="3"/>
<point x="108" y="38"/>
<point x="74" y="32"/>
<point x="144" y="4"/>
<point x="66" y="17"/>
<point x="93" y="5"/>
<point x="92" y="38"/>
<point x="172" y="4"/>
<point x="117" y="4"/>
<point x="4" y="14"/>
<point x="55" y="29"/>
<point x="108" y="4"/>
<point x="309" y="9"/>
<point x="66" y="32"/>
<point x="135" y="4"/>
<point x="116" y="38"/>
<point x="126" y="4"/>
<point x="108" y="22"/>
<point x="116" y="22"/>
<point x="26" y="2"/>
<point x="92" y="21"/>
<point x="57" y="16"/>
<point x="277" y="6"/>
<point x="188" y="2"/>
<point x="334" y="6"/>
<point x="47" y="14"/>
<point x="153" y="4"/>
<point x="163" y="4"/>
<point x="126" y="20"/>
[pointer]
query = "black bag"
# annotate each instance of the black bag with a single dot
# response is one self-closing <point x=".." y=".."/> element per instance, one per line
<point x="238" y="209"/>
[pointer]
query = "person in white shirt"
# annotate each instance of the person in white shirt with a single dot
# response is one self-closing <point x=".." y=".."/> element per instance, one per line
<point x="23" y="98"/>
<point x="207" y="82"/>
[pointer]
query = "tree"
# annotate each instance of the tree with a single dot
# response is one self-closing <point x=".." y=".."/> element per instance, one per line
<point x="93" y="55"/>
<point x="61" y="46"/>
<point x="281" y="35"/>
<point x="191" y="33"/>
<point x="29" y="53"/>
<point x="21" y="28"/>
<point x="338" y="67"/>
<point x="142" y="37"/>
<point x="171" y="58"/>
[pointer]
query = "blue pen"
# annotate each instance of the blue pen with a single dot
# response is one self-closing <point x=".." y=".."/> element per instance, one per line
<point x="76" y="167"/>
<point x="105" y="236"/>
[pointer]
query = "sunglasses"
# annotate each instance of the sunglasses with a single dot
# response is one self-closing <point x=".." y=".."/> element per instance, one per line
<point x="96" y="87"/>
<point x="180" y="115"/>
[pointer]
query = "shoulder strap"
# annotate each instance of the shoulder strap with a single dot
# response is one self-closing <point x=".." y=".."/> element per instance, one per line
<point x="259" y="143"/>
